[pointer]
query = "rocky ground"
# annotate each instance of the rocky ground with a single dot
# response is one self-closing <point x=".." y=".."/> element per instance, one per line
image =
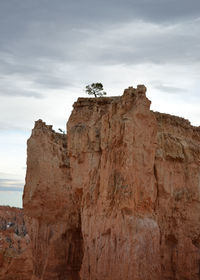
<point x="15" y="253"/>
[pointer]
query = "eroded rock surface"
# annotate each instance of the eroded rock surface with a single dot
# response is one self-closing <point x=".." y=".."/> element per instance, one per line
<point x="15" y="251"/>
<point x="51" y="208"/>
<point x="118" y="197"/>
<point x="177" y="172"/>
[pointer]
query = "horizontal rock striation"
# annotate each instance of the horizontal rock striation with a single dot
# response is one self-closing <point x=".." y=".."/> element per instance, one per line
<point x="118" y="197"/>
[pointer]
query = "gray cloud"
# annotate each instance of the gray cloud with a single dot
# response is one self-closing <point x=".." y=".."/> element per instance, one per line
<point x="14" y="92"/>
<point x="41" y="38"/>
<point x="50" y="81"/>
<point x="6" y="125"/>
<point x="56" y="65"/>
<point x="170" y="89"/>
<point x="11" y="185"/>
<point x="35" y="69"/>
<point x="141" y="42"/>
<point x="45" y="44"/>
<point x="93" y="11"/>
<point x="10" y="189"/>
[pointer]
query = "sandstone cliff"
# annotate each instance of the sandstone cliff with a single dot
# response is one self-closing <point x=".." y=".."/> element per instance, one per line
<point x="118" y="197"/>
<point x="15" y="251"/>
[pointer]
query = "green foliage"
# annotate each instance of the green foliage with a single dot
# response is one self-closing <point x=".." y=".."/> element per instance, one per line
<point x="95" y="89"/>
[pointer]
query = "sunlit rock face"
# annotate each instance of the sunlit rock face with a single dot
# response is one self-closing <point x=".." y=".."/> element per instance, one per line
<point x="15" y="252"/>
<point x="118" y="197"/>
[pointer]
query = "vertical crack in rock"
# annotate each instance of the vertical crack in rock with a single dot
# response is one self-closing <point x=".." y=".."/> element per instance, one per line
<point x="157" y="188"/>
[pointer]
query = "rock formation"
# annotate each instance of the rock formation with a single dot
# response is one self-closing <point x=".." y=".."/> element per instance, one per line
<point x="15" y="251"/>
<point x="116" y="198"/>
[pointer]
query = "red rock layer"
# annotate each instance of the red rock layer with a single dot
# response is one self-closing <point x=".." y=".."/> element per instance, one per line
<point x="15" y="251"/>
<point x="118" y="197"/>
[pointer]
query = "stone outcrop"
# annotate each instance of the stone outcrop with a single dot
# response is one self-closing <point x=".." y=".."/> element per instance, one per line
<point x="15" y="252"/>
<point x="51" y="207"/>
<point x="118" y="197"/>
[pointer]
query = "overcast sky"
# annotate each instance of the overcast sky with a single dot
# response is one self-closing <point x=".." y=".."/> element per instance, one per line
<point x="51" y="49"/>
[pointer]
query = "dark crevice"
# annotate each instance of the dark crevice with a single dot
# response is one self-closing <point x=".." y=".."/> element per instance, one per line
<point x="157" y="188"/>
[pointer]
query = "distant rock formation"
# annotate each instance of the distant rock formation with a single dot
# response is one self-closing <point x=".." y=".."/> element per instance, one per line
<point x="15" y="252"/>
<point x="116" y="198"/>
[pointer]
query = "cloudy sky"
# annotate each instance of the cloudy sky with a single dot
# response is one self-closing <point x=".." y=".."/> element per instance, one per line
<point x="51" y="49"/>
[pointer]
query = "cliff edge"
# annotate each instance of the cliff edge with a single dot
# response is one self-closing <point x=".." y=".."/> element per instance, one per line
<point x="118" y="197"/>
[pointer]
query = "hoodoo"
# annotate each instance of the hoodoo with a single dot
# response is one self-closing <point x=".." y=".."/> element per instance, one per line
<point x="116" y="198"/>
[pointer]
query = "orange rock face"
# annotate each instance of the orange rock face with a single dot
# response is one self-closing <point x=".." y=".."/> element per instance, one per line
<point x="15" y="251"/>
<point x="118" y="197"/>
<point x="51" y="208"/>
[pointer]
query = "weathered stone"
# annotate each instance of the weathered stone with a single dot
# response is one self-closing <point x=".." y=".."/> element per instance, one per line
<point x="118" y="197"/>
